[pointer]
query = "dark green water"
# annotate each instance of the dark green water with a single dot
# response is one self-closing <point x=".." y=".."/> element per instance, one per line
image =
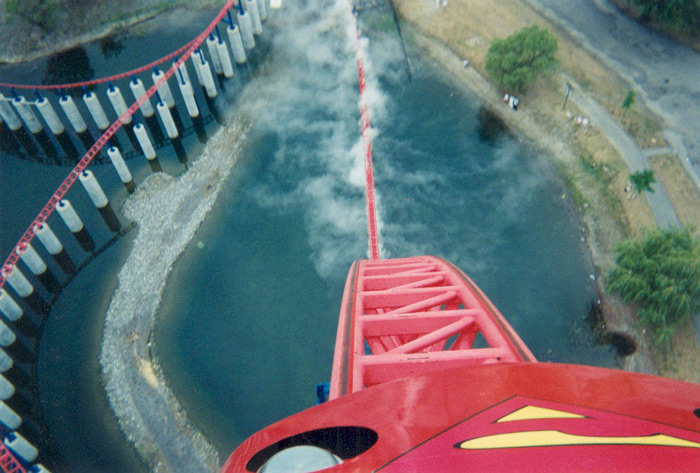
<point x="248" y="320"/>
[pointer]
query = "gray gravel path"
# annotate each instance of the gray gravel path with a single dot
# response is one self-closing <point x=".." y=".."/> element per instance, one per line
<point x="168" y="212"/>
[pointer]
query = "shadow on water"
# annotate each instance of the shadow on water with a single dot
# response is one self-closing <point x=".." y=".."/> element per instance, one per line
<point x="113" y="45"/>
<point x="623" y="344"/>
<point x="491" y="127"/>
<point x="67" y="67"/>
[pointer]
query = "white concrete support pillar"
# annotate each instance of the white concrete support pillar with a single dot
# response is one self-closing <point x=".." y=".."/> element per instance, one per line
<point x="93" y="188"/>
<point x="251" y="6"/>
<point x="9" y="308"/>
<point x="188" y="96"/>
<point x="48" y="238"/>
<point x="19" y="283"/>
<point x="139" y="90"/>
<point x="246" y="25"/>
<point x="72" y="113"/>
<point x="214" y="54"/>
<point x="167" y="119"/>
<point x="118" y="162"/>
<point x="21" y="446"/>
<point x="145" y="141"/>
<point x="225" y="59"/>
<point x="9" y="115"/>
<point x="7" y="389"/>
<point x="69" y="216"/>
<point x="27" y="114"/>
<point x="95" y="108"/>
<point x="118" y="103"/>
<point x="234" y="37"/>
<point x="33" y="261"/>
<point x="262" y="6"/>
<point x="183" y="71"/>
<point x="6" y="362"/>
<point x="207" y="77"/>
<point x="7" y="336"/>
<point x="39" y="468"/>
<point x="164" y="91"/>
<point x="50" y="117"/>
<point x="195" y="60"/>
<point x="8" y="417"/>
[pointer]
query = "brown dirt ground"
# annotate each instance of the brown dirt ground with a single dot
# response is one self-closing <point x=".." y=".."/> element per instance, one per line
<point x="594" y="171"/>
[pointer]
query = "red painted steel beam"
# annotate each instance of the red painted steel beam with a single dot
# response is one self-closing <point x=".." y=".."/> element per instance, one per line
<point x="416" y="315"/>
<point x="8" y="462"/>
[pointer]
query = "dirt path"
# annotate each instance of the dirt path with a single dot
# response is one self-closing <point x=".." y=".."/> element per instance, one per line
<point x="636" y="158"/>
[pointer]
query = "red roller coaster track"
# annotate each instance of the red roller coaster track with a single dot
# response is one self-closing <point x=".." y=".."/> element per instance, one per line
<point x="367" y="149"/>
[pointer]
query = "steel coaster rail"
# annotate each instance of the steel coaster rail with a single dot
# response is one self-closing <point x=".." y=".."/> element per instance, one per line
<point x="68" y="182"/>
<point x="367" y="148"/>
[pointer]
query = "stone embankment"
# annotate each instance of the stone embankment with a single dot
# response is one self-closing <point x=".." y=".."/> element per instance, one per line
<point x="168" y="211"/>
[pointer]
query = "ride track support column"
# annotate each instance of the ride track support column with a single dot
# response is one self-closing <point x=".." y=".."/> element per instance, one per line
<point x="164" y="89"/>
<point x="118" y="103"/>
<point x="49" y="114"/>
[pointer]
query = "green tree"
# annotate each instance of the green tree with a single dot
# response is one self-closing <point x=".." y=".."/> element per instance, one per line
<point x="659" y="271"/>
<point x="629" y="100"/>
<point x="41" y="13"/>
<point x="682" y="14"/>
<point x="642" y="180"/>
<point x="519" y="59"/>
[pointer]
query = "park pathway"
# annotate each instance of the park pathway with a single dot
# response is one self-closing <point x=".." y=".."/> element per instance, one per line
<point x="636" y="158"/>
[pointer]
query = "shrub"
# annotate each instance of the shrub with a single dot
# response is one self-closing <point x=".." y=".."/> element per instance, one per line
<point x="519" y="59"/>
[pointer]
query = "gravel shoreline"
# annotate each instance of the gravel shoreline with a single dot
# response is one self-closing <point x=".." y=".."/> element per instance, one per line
<point x="168" y="211"/>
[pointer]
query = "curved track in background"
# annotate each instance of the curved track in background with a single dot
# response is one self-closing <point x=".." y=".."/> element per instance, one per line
<point x="11" y="461"/>
<point x="68" y="182"/>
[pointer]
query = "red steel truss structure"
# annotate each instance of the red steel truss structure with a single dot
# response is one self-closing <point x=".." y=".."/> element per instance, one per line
<point x="412" y="316"/>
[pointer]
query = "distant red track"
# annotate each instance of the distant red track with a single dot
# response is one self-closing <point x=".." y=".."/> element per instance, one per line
<point x="367" y="148"/>
<point x="95" y="148"/>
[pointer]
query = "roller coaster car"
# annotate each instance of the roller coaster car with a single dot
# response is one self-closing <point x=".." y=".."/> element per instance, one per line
<point x="411" y="393"/>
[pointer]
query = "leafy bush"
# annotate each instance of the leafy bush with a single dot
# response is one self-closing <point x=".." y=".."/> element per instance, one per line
<point x="519" y="59"/>
<point x="682" y="14"/>
<point x="660" y="271"/>
<point x="642" y="181"/>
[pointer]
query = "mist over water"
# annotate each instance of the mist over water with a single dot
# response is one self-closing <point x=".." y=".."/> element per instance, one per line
<point x="248" y="320"/>
<point x="306" y="109"/>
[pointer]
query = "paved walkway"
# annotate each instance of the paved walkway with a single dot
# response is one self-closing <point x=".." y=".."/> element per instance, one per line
<point x="636" y="158"/>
